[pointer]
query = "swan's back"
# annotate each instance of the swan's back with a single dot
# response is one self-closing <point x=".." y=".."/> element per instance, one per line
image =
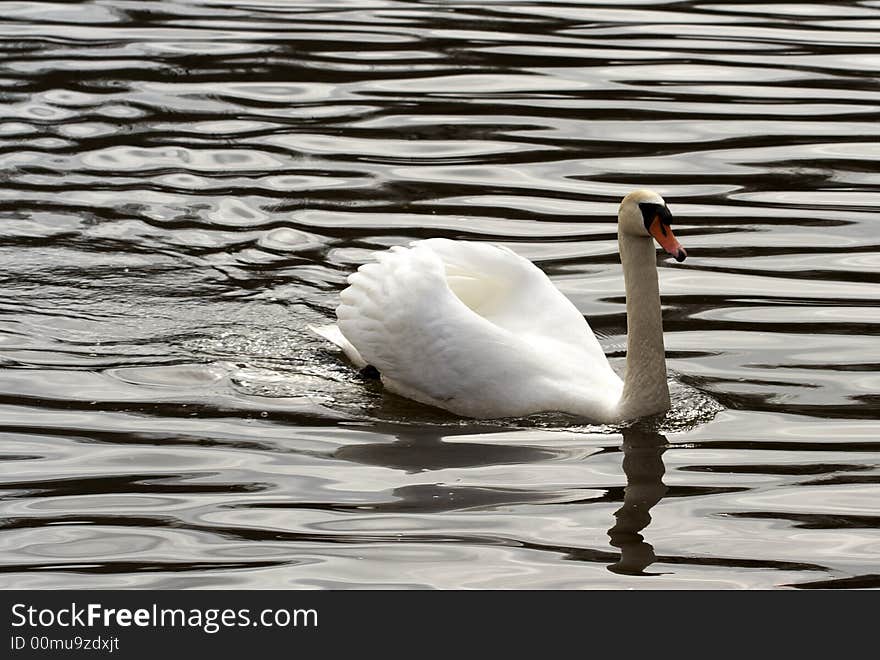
<point x="475" y="329"/>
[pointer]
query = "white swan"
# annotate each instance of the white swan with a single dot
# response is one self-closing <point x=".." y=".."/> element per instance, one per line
<point x="482" y="332"/>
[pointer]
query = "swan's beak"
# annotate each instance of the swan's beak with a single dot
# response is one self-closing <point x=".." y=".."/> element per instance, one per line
<point x="667" y="240"/>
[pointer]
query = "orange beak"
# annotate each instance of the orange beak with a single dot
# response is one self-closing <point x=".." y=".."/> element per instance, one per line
<point x="667" y="240"/>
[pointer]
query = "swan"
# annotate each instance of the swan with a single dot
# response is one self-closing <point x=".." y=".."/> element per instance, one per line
<point x="482" y="332"/>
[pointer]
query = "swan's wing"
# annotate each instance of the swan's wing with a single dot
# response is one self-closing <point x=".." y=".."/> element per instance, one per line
<point x="513" y="293"/>
<point x="333" y="334"/>
<point x="404" y="319"/>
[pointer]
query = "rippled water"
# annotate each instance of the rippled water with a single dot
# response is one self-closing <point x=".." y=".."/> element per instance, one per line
<point x="186" y="186"/>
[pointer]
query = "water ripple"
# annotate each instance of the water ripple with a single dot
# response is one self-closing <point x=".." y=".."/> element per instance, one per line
<point x="187" y="185"/>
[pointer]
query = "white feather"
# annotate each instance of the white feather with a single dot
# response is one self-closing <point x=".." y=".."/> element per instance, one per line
<point x="332" y="334"/>
<point x="475" y="329"/>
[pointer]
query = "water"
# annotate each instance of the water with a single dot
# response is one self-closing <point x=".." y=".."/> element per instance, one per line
<point x="187" y="185"/>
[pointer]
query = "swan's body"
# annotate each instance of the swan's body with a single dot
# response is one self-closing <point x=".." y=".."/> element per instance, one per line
<point x="482" y="332"/>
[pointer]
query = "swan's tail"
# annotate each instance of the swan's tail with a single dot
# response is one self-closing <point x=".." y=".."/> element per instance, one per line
<point x="333" y="334"/>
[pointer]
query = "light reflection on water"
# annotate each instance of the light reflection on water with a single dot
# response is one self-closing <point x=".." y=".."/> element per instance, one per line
<point x="185" y="188"/>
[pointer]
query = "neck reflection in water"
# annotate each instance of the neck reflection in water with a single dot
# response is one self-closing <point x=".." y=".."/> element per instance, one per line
<point x="643" y="465"/>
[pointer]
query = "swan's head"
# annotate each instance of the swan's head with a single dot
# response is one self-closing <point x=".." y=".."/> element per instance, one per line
<point x="644" y="213"/>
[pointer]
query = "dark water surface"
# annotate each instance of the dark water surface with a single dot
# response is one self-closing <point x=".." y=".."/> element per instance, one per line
<point x="186" y="185"/>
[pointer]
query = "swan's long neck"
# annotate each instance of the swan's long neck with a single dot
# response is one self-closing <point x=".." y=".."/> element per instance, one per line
<point x="645" y="391"/>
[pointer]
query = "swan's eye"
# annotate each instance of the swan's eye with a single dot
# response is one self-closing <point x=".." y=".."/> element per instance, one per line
<point x="658" y="223"/>
<point x="651" y="212"/>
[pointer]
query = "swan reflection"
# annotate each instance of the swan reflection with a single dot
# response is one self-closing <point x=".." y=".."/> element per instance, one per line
<point x="643" y="465"/>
